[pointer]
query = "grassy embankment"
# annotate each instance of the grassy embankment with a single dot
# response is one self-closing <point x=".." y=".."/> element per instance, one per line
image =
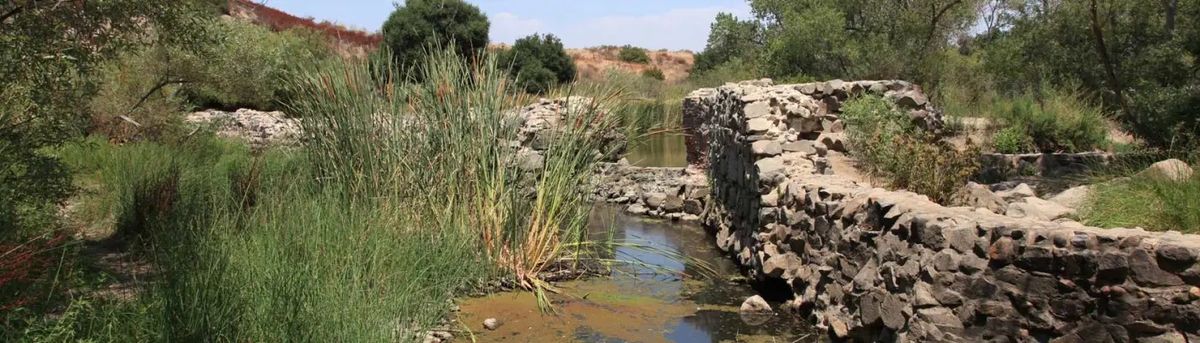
<point x="403" y="194"/>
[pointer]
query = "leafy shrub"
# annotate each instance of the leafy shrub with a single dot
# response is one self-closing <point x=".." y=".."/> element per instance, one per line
<point x="891" y="146"/>
<point x="654" y="73"/>
<point x="138" y="94"/>
<point x="32" y="183"/>
<point x="539" y="63"/>
<point x="249" y="66"/>
<point x="633" y="54"/>
<point x="728" y="39"/>
<point x="1058" y="122"/>
<point x="1166" y="117"/>
<point x="1012" y="140"/>
<point x="420" y="25"/>
<point x="736" y="69"/>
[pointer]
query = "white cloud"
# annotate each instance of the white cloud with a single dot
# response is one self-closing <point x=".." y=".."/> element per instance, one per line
<point x="677" y="29"/>
<point x="507" y="27"/>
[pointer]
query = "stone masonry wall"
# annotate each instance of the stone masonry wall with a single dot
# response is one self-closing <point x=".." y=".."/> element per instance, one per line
<point x="869" y="264"/>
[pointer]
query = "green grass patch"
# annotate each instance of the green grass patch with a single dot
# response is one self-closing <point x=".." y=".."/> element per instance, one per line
<point x="1152" y="203"/>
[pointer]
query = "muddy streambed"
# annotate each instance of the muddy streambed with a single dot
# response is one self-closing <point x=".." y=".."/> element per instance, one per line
<point x="669" y="302"/>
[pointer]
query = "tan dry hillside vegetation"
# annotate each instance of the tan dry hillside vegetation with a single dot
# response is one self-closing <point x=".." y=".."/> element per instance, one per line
<point x="594" y="62"/>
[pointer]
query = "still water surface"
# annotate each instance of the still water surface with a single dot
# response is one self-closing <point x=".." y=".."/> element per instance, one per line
<point x="668" y="302"/>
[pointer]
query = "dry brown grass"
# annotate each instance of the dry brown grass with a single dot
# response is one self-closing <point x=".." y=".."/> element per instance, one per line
<point x="593" y="63"/>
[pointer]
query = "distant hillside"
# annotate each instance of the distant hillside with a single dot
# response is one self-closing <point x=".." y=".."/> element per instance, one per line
<point x="594" y="62"/>
<point x="591" y="62"/>
<point x="348" y="41"/>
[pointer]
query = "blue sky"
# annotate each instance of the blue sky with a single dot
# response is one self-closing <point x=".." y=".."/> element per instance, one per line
<point x="655" y="24"/>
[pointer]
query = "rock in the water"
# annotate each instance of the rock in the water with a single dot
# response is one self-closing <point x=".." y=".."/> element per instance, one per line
<point x="637" y="209"/>
<point x="755" y="304"/>
<point x="491" y="323"/>
<point x="656" y="199"/>
<point x="1172" y="169"/>
<point x="673" y="203"/>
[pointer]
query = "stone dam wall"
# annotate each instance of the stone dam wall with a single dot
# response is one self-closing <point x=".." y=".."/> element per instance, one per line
<point x="869" y="264"/>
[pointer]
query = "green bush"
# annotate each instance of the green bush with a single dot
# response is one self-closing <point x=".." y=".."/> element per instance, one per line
<point x="1058" y="122"/>
<point x="728" y="39"/>
<point x="250" y="65"/>
<point x="1012" y="140"/>
<point x="633" y="54"/>
<point x="1166" y="117"/>
<point x="889" y="145"/>
<point x="420" y="25"/>
<point x="32" y="183"/>
<point x="138" y="94"/>
<point x="736" y="69"/>
<point x="539" y="63"/>
<point x="654" y="73"/>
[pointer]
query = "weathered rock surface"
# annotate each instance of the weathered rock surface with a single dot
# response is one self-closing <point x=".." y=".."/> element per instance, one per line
<point x="870" y="264"/>
<point x="755" y="304"/>
<point x="538" y="124"/>
<point x="672" y="193"/>
<point x="1172" y="169"/>
<point x="255" y="127"/>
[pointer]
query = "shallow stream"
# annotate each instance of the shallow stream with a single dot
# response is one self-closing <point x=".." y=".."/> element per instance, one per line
<point x="659" y="297"/>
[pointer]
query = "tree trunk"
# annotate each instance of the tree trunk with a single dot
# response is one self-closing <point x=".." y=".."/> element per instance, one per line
<point x="1110" y="67"/>
<point x="1172" y="8"/>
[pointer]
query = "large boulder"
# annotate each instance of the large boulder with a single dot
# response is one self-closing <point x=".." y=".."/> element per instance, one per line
<point x="1172" y="169"/>
<point x="1036" y="208"/>
<point x="979" y="196"/>
<point x="1073" y="198"/>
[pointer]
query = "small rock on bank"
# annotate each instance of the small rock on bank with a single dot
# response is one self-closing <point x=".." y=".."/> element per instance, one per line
<point x="755" y="304"/>
<point x="491" y="323"/>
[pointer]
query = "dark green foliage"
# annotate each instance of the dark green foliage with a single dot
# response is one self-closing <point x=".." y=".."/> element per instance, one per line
<point x="729" y="38"/>
<point x="1167" y="117"/>
<point x="1055" y="122"/>
<point x="49" y="50"/>
<point x="633" y="54"/>
<point x="420" y="25"/>
<point x="539" y="62"/>
<point x="1124" y="52"/>
<point x="654" y="73"/>
<point x="857" y="39"/>
<point x="1012" y="140"/>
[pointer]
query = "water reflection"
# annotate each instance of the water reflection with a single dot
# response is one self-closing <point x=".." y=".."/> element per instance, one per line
<point x="656" y="298"/>
<point x="659" y="150"/>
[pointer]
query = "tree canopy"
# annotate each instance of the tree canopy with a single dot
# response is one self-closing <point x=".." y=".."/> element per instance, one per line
<point x="419" y="25"/>
<point x="539" y="62"/>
